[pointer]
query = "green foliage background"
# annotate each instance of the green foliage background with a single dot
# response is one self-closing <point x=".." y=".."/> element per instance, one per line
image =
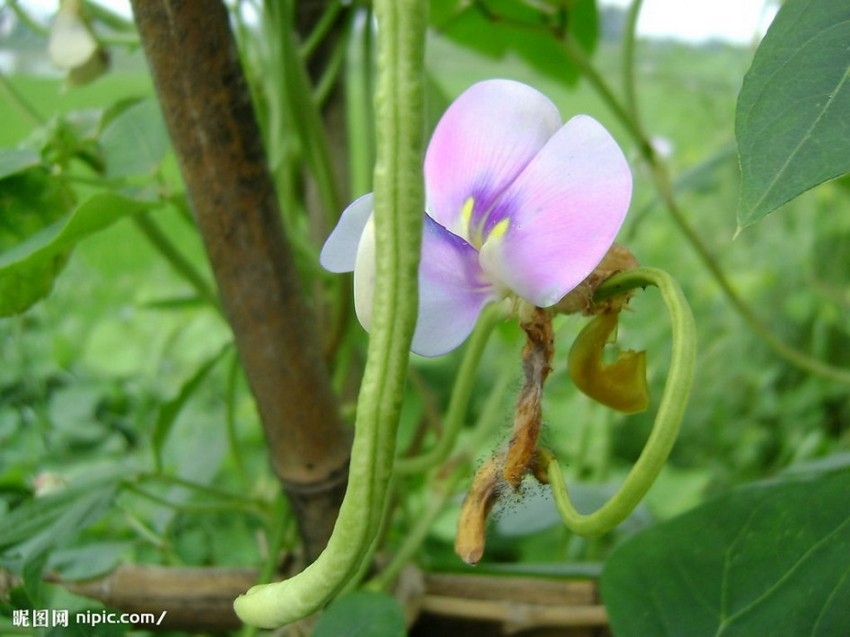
<point x="121" y="384"/>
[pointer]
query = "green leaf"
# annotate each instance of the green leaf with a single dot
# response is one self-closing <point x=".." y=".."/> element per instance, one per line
<point x="31" y="531"/>
<point x="136" y="141"/>
<point x="362" y="614"/>
<point x="30" y="201"/>
<point x="89" y="561"/>
<point x="170" y="410"/>
<point x="56" y="515"/>
<point x="769" y="559"/>
<point x="28" y="269"/>
<point x="15" y="160"/>
<point x="793" y="113"/>
<point x="530" y="30"/>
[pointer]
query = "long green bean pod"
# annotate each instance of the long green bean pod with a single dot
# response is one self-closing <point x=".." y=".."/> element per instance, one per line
<point x="399" y="202"/>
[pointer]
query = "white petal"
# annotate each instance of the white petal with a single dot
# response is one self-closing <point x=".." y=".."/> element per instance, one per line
<point x="70" y="42"/>
<point x="364" y="275"/>
<point x="339" y="253"/>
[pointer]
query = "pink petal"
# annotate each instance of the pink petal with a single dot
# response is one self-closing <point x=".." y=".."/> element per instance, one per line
<point x="483" y="141"/>
<point x="563" y="213"/>
<point x="340" y="250"/>
<point x="452" y="291"/>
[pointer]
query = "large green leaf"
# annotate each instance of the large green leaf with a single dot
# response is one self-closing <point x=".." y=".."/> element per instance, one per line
<point x="362" y="614"/>
<point x="171" y="409"/>
<point x="55" y="516"/>
<point x="528" y="29"/>
<point x="27" y="269"/>
<point x="793" y="114"/>
<point x="15" y="160"/>
<point x="29" y="532"/>
<point x="769" y="559"/>
<point x="136" y="141"/>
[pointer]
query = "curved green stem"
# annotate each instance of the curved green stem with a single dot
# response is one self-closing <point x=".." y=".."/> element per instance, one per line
<point x="461" y="393"/>
<point x="224" y="507"/>
<point x="321" y="30"/>
<point x="664" y="186"/>
<point x="294" y="109"/>
<point x="629" y="45"/>
<point x="31" y="23"/>
<point x="399" y="201"/>
<point x="359" y="118"/>
<point x="12" y="96"/>
<point x="786" y="351"/>
<point x="183" y="266"/>
<point x="671" y="409"/>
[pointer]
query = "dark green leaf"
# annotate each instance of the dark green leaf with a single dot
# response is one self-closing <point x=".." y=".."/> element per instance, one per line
<point x="15" y="160"/>
<point x="27" y="270"/>
<point x="362" y="614"/>
<point x="533" y="31"/>
<point x="30" y="201"/>
<point x="793" y="114"/>
<point x="769" y="559"/>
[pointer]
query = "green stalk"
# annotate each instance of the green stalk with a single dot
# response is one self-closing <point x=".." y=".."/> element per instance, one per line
<point x="359" y="87"/>
<point x="629" y="46"/>
<point x="321" y="30"/>
<point x="12" y="96"/>
<point x="180" y="264"/>
<point x="306" y="119"/>
<point x="399" y="201"/>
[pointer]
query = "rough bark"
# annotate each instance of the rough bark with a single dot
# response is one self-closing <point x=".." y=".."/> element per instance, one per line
<point x="205" y="101"/>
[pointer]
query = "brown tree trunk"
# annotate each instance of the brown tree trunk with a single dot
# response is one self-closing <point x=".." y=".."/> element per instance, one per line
<point x="206" y="104"/>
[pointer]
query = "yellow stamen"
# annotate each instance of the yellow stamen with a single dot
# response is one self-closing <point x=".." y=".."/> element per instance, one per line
<point x="499" y="229"/>
<point x="466" y="214"/>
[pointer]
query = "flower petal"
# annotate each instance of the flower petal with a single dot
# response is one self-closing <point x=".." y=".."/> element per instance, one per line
<point x="561" y="214"/>
<point x="364" y="275"/>
<point x="452" y="291"/>
<point x="339" y="253"/>
<point x="70" y="43"/>
<point x="452" y="288"/>
<point x="483" y="141"/>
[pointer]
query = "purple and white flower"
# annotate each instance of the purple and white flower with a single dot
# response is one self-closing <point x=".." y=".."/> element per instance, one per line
<point x="518" y="204"/>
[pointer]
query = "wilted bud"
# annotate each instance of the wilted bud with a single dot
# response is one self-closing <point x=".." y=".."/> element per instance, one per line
<point x="72" y="45"/>
<point x="620" y="385"/>
<point x="472" y="524"/>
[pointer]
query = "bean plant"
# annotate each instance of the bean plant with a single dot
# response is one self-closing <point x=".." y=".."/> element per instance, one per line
<point x="334" y="296"/>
